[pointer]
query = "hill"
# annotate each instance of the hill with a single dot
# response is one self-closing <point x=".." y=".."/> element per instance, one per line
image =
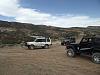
<point x="15" y="32"/>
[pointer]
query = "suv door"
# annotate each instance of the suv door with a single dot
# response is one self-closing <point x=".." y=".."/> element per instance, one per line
<point x="40" y="42"/>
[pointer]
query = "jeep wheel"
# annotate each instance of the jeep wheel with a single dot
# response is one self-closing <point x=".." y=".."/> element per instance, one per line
<point x="46" y="46"/>
<point x="70" y="53"/>
<point x="96" y="58"/>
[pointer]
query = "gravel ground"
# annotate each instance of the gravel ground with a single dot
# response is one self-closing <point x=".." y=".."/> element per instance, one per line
<point x="53" y="61"/>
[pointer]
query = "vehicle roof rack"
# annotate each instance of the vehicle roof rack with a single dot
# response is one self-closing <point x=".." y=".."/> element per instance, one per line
<point x="39" y="37"/>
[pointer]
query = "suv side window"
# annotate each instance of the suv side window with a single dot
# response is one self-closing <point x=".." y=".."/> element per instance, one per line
<point x="41" y="40"/>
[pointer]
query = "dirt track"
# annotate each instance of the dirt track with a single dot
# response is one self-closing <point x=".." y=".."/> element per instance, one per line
<point x="53" y="61"/>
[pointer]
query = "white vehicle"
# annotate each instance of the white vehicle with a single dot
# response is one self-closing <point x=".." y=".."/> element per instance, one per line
<point x="38" y="41"/>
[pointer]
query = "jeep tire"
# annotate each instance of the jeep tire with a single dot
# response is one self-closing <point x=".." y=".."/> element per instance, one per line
<point x="96" y="58"/>
<point x="71" y="53"/>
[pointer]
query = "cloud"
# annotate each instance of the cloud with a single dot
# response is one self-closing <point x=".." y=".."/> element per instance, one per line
<point x="9" y="8"/>
<point x="12" y="8"/>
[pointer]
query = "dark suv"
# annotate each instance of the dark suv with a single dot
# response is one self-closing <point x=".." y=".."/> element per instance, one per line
<point x="67" y="40"/>
<point x="89" y="46"/>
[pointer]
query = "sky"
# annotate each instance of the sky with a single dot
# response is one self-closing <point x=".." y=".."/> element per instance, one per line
<point x="59" y="13"/>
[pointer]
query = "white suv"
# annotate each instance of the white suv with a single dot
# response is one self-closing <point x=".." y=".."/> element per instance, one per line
<point x="38" y="41"/>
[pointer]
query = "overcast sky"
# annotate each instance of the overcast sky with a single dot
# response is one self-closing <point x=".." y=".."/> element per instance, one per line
<point x="60" y="13"/>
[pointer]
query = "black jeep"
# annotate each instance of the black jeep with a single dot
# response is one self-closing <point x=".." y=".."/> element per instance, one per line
<point x="89" y="46"/>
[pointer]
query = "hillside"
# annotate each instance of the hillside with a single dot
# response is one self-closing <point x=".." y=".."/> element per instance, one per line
<point x="15" y="32"/>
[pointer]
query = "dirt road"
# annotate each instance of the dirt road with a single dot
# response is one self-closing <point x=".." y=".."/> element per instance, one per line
<point x="53" y="61"/>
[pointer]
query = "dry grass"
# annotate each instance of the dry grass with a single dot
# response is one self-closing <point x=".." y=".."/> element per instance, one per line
<point x="53" y="61"/>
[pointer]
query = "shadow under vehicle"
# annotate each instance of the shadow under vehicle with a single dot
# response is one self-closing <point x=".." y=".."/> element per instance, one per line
<point x="89" y="46"/>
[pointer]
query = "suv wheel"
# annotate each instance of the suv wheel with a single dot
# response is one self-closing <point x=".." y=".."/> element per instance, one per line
<point x="70" y="52"/>
<point x="46" y="46"/>
<point x="96" y="58"/>
<point x="31" y="47"/>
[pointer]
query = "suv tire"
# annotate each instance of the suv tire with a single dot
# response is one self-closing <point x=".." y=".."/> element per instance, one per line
<point x="31" y="47"/>
<point x="46" y="46"/>
<point x="71" y="53"/>
<point x="96" y="58"/>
